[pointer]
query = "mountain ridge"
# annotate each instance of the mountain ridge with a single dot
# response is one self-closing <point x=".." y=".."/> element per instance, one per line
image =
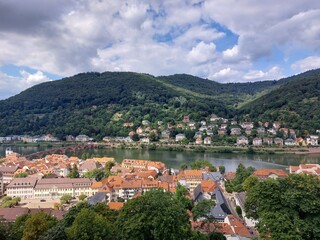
<point x="87" y="102"/>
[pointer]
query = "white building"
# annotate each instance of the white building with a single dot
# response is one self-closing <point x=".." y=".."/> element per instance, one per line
<point x="21" y="187"/>
<point x="312" y="140"/>
<point x="180" y="137"/>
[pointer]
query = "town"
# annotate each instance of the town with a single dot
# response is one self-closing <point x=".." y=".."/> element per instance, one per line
<point x="56" y="182"/>
<point x="212" y="131"/>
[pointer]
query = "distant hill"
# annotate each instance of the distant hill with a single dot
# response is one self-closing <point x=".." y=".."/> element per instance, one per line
<point x="97" y="104"/>
<point x="296" y="103"/>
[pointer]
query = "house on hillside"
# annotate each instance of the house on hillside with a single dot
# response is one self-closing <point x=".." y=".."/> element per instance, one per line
<point x="278" y="141"/>
<point x="207" y="141"/>
<point x="257" y="141"/>
<point x="242" y="140"/>
<point x="180" y="137"/>
<point x="289" y="142"/>
<point x="270" y="173"/>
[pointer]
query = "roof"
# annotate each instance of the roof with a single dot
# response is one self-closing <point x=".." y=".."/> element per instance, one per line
<point x="268" y="172"/>
<point x="23" y="182"/>
<point x="220" y="210"/>
<point x="8" y="169"/>
<point x="208" y="185"/>
<point x="230" y="175"/>
<point x="52" y="212"/>
<point x="241" y="196"/>
<point x="116" y="205"/>
<point x="96" y="185"/>
<point x="239" y="228"/>
<point x="99" y="197"/>
<point x="190" y="174"/>
<point x="11" y="214"/>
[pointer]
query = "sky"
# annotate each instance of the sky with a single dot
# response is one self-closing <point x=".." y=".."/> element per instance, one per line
<point x="221" y="40"/>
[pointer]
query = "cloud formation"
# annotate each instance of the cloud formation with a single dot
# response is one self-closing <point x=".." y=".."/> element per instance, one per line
<point x="223" y="40"/>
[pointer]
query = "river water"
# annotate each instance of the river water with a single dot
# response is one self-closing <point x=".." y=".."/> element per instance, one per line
<point x="174" y="159"/>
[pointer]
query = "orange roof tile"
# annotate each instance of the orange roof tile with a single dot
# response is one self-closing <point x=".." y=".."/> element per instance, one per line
<point x="116" y="205"/>
<point x="268" y="172"/>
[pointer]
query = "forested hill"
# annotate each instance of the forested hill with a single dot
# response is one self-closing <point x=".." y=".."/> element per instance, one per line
<point x="296" y="103"/>
<point x="98" y="104"/>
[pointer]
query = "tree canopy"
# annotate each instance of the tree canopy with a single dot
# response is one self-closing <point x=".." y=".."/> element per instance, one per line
<point x="286" y="208"/>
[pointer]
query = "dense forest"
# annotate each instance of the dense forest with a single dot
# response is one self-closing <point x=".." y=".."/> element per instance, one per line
<point x="296" y="103"/>
<point x="97" y="104"/>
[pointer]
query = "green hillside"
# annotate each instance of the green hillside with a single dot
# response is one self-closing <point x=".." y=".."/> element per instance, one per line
<point x="296" y="103"/>
<point x="97" y="104"/>
<point x="87" y="104"/>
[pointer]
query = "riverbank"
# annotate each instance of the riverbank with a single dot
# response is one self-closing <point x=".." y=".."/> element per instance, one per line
<point x="178" y="147"/>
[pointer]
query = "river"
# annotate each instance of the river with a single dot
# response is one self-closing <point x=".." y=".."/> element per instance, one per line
<point x="174" y="159"/>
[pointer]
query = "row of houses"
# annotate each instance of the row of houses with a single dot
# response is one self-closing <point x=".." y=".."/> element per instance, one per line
<point x="257" y="141"/>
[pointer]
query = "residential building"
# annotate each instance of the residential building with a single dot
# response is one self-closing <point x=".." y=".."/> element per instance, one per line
<point x="242" y="140"/>
<point x="313" y="140"/>
<point x="199" y="140"/>
<point x="267" y="141"/>
<point x="257" y="141"/>
<point x="289" y="142"/>
<point x="186" y="119"/>
<point x="21" y="187"/>
<point x="247" y="125"/>
<point x="222" y="131"/>
<point x="235" y="131"/>
<point x="165" y="134"/>
<point x="207" y="141"/>
<point x="190" y="178"/>
<point x="8" y="173"/>
<point x="83" y="138"/>
<point x="220" y="211"/>
<point x="312" y="169"/>
<point x="278" y="141"/>
<point x="55" y="188"/>
<point x="261" y="131"/>
<point x="180" y="137"/>
<point x="214" y="118"/>
<point x="269" y="173"/>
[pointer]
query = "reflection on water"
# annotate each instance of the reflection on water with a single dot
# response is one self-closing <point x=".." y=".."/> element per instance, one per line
<point x="175" y="159"/>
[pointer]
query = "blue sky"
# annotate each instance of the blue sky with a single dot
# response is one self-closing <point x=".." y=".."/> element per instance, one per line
<point x="222" y="40"/>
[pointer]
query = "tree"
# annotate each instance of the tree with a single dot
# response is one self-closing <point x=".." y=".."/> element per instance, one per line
<point x="66" y="198"/>
<point x="183" y="166"/>
<point x="201" y="212"/>
<point x="90" y="225"/>
<point x="201" y="164"/>
<point x="286" y="208"/>
<point x="135" y="137"/>
<point x="182" y="196"/>
<point x="155" y="215"/>
<point x="57" y="232"/>
<point x="21" y="175"/>
<point x="97" y="174"/>
<point x="74" y="172"/>
<point x="222" y="169"/>
<point x="82" y="197"/>
<point x="18" y="227"/>
<point x="109" y="165"/>
<point x="239" y="211"/>
<point x="250" y="182"/>
<point x="37" y="224"/>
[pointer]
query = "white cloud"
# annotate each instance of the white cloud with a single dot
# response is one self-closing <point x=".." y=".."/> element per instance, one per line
<point x="306" y="64"/>
<point x="258" y="75"/>
<point x="157" y="37"/>
<point x="202" y="53"/>
<point x="11" y="85"/>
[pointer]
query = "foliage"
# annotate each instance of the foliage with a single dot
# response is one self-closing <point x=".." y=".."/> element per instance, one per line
<point x="108" y="166"/>
<point x="222" y="169"/>
<point x="66" y="198"/>
<point x="37" y="224"/>
<point x="74" y="173"/>
<point x="57" y="232"/>
<point x="21" y="175"/>
<point x="154" y="215"/>
<point x="82" y="197"/>
<point x="242" y="173"/>
<point x="89" y="225"/>
<point x="201" y="210"/>
<point x="181" y="195"/>
<point x="18" y="227"/>
<point x="8" y="202"/>
<point x="184" y="166"/>
<point x="250" y="182"/>
<point x="295" y="103"/>
<point x="202" y="164"/>
<point x="97" y="174"/>
<point x="287" y="208"/>
<point x="239" y="211"/>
